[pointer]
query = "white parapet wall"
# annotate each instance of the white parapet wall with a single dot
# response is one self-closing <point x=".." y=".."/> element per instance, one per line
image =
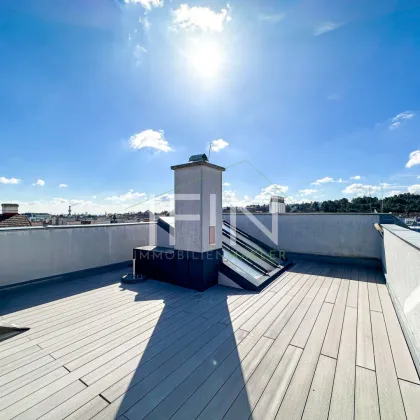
<point x="401" y="262"/>
<point x="333" y="235"/>
<point x="28" y="254"/>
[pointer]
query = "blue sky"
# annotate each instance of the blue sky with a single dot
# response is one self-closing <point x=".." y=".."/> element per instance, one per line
<point x="317" y="99"/>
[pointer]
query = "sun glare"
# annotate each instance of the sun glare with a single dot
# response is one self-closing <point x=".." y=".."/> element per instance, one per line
<point x="206" y="59"/>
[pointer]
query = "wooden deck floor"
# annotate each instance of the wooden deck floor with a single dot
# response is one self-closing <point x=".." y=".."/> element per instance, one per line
<point x="321" y="342"/>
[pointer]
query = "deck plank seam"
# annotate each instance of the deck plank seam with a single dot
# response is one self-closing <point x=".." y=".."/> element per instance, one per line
<point x="319" y="355"/>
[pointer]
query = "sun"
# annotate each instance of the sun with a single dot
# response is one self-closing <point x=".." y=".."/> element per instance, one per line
<point x="206" y="59"/>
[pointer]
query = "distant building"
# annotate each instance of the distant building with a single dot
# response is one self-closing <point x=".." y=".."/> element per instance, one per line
<point x="10" y="217"/>
<point x="38" y="217"/>
<point x="277" y="205"/>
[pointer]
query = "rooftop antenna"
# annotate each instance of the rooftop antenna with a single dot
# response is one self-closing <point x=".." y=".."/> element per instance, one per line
<point x="210" y="150"/>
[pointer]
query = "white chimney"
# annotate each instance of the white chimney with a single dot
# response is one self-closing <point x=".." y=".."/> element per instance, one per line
<point x="10" y="209"/>
<point x="277" y="205"/>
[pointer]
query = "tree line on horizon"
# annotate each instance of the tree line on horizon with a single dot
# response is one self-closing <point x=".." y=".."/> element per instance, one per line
<point x="404" y="204"/>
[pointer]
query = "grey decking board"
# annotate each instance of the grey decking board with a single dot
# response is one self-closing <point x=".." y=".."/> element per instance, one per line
<point x="120" y="344"/>
<point x="67" y="379"/>
<point x="333" y="335"/>
<point x="390" y="401"/>
<point x="294" y="401"/>
<point x="248" y="398"/>
<point x="364" y="352"/>
<point x="404" y="364"/>
<point x="278" y="325"/>
<point x="30" y="367"/>
<point x="141" y="385"/>
<point x="48" y="404"/>
<point x="56" y="343"/>
<point x="193" y="406"/>
<point x="55" y="302"/>
<point x="224" y="398"/>
<point x="374" y="301"/>
<point x="89" y="410"/>
<point x="114" y="376"/>
<point x="20" y="355"/>
<point x="366" y="395"/>
<point x="51" y="389"/>
<point x="181" y="393"/>
<point x="19" y="393"/>
<point x="257" y="312"/>
<point x="148" y="326"/>
<point x="318" y="403"/>
<point x="342" y="399"/>
<point x="352" y="296"/>
<point x="332" y="293"/>
<point x="171" y="380"/>
<point x="266" y="401"/>
<point x="411" y="398"/>
<point x="302" y="334"/>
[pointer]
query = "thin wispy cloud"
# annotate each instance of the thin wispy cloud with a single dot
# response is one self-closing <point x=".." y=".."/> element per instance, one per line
<point x="384" y="188"/>
<point x="147" y="4"/>
<point x="150" y="139"/>
<point x="39" y="183"/>
<point x="325" y="27"/>
<point x="130" y="195"/>
<point x="226" y="184"/>
<point x="414" y="189"/>
<point x="356" y="177"/>
<point x="200" y="18"/>
<point x="414" y="159"/>
<point x="328" y="180"/>
<point x="12" y="181"/>
<point x="325" y="180"/>
<point x="63" y="186"/>
<point x="272" y="18"/>
<point x="218" y="145"/>
<point x="308" y="191"/>
<point x="400" y="119"/>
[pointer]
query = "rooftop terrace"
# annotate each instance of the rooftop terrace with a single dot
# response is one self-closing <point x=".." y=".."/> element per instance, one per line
<point x="321" y="341"/>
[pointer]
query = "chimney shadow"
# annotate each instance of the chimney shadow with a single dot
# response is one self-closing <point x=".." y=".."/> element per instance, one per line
<point x="190" y="365"/>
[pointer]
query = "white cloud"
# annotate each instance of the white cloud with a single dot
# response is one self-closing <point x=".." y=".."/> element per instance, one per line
<point x="274" y="18"/>
<point x="4" y="180"/>
<point x="308" y="191"/>
<point x="150" y="139"/>
<point x="94" y="197"/>
<point x="266" y="193"/>
<point x="341" y="181"/>
<point x="230" y="198"/>
<point x="147" y="4"/>
<point x="361" y="190"/>
<point x="414" y="159"/>
<point x="400" y="118"/>
<point x="325" y="180"/>
<point x="202" y="18"/>
<point x="414" y="189"/>
<point x="63" y="186"/>
<point x="130" y="195"/>
<point x="356" y="177"/>
<point x="39" y="183"/>
<point x="218" y="145"/>
<point x="326" y="27"/>
<point x="392" y="193"/>
<point x="226" y="184"/>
